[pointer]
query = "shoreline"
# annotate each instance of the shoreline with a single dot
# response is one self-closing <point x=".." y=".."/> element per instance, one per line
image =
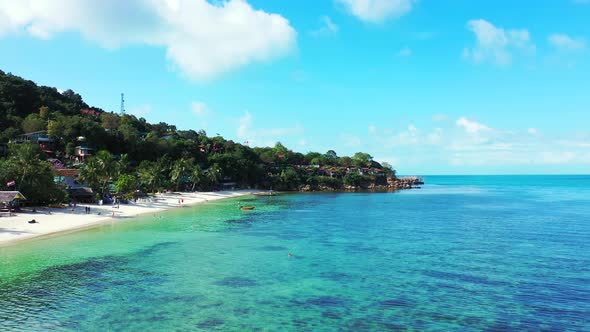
<point x="53" y="222"/>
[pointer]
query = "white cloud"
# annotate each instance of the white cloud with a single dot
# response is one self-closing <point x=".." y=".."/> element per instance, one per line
<point x="496" y="44"/>
<point x="199" y="108"/>
<point x="439" y="117"/>
<point x="472" y="127"/>
<point x="372" y="129"/>
<point x="264" y="136"/>
<point x="377" y="11"/>
<point x="202" y="39"/>
<point x="244" y="127"/>
<point x="468" y="144"/>
<point x="435" y="137"/>
<point x="328" y="28"/>
<point x="409" y="137"/>
<point x="350" y="140"/>
<point x="565" y="43"/>
<point x="578" y="143"/>
<point x="405" y="52"/>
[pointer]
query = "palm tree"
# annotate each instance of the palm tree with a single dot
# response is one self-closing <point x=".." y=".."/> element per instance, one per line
<point x="197" y="176"/>
<point x="154" y="174"/>
<point x="122" y="164"/>
<point x="89" y="173"/>
<point x="214" y="174"/>
<point x="180" y="170"/>
<point x="148" y="174"/>
<point x="99" y="171"/>
<point x="26" y="157"/>
<point x="106" y="169"/>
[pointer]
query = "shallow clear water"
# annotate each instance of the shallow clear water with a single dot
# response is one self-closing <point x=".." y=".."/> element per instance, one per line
<point x="463" y="253"/>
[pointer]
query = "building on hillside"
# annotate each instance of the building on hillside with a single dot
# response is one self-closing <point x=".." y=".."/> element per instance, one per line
<point x="46" y="143"/>
<point x="90" y="112"/>
<point x="34" y="137"/>
<point x="83" y="152"/>
<point x="377" y="172"/>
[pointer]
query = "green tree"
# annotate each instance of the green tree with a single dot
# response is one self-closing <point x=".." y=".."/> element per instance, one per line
<point x="197" y="176"/>
<point x="361" y="159"/>
<point x="345" y="161"/>
<point x="99" y="171"/>
<point x="126" y="184"/>
<point x="180" y="171"/>
<point x="353" y="179"/>
<point x="214" y="174"/>
<point x="33" y="123"/>
<point x="110" y="121"/>
<point x="56" y="128"/>
<point x="154" y="174"/>
<point x="70" y="149"/>
<point x="33" y="175"/>
<point x="289" y="178"/>
<point x="43" y="112"/>
<point x="388" y="169"/>
<point x="320" y="160"/>
<point x="331" y="157"/>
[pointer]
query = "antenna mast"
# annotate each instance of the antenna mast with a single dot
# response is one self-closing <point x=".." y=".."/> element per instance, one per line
<point x="122" y="103"/>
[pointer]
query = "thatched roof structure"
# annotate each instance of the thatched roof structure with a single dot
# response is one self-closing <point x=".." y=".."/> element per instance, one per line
<point x="9" y="196"/>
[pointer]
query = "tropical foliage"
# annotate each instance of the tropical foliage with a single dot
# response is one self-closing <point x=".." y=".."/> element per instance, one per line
<point x="133" y="154"/>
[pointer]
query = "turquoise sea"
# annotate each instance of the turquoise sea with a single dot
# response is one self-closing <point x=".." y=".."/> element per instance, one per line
<point x="464" y="253"/>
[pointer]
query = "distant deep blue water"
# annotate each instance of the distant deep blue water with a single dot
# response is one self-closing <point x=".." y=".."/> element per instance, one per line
<point x="495" y="253"/>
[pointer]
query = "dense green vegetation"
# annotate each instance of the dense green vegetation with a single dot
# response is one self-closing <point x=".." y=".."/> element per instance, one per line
<point x="131" y="154"/>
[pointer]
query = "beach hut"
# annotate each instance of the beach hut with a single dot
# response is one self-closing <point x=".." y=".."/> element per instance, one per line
<point x="9" y="200"/>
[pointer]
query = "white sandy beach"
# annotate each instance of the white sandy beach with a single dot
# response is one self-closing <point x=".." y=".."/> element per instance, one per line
<point x="16" y="228"/>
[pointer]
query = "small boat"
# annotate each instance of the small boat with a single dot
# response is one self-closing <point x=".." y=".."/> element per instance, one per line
<point x="245" y="207"/>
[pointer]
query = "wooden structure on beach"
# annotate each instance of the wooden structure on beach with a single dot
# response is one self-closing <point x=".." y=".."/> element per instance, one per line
<point x="9" y="200"/>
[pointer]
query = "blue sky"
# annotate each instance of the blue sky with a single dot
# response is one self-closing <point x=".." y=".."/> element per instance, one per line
<point x="433" y="87"/>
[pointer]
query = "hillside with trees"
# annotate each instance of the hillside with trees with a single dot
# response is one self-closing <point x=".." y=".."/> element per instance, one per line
<point x="43" y="131"/>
